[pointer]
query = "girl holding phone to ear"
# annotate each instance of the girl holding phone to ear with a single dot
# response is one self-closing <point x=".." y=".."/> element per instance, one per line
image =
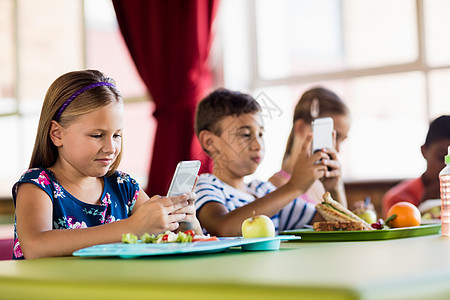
<point x="317" y="102"/>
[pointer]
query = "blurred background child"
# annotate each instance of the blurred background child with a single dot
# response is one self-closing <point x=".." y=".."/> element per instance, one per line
<point x="229" y="128"/>
<point x="317" y="102"/>
<point x="425" y="187"/>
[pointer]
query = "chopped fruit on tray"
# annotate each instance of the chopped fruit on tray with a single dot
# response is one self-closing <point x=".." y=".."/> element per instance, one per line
<point x="430" y="209"/>
<point x="129" y="238"/>
<point x="204" y="238"/>
<point x="383" y="224"/>
<point x="401" y="214"/>
<point x="378" y="224"/>
<point x="187" y="236"/>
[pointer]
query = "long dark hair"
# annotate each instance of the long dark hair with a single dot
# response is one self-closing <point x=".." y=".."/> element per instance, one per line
<point x="328" y="104"/>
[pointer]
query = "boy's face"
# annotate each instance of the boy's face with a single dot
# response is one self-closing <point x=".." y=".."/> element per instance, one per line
<point x="240" y="148"/>
<point x="434" y="155"/>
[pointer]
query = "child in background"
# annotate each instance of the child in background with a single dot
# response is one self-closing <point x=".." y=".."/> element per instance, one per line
<point x="426" y="186"/>
<point x="317" y="102"/>
<point x="229" y="128"/>
<point x="73" y="196"/>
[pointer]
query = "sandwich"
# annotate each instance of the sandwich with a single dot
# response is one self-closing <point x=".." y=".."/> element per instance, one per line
<point x="338" y="217"/>
<point x="338" y="226"/>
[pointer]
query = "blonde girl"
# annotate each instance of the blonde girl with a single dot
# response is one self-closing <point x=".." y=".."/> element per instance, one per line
<point x="73" y="196"/>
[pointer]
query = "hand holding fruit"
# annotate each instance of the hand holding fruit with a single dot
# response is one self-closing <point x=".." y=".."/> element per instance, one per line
<point x="258" y="226"/>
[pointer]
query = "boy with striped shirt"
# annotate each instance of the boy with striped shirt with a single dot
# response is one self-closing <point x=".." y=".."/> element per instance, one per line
<point x="229" y="127"/>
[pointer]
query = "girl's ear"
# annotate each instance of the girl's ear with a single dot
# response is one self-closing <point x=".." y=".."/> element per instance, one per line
<point x="206" y="139"/>
<point x="301" y="127"/>
<point x="55" y="133"/>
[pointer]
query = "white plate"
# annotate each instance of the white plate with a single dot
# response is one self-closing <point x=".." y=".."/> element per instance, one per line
<point x="428" y="204"/>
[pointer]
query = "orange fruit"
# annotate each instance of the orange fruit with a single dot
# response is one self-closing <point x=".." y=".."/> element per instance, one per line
<point x="407" y="215"/>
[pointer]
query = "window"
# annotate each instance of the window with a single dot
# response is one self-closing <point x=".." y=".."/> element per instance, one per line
<point x="42" y="40"/>
<point x="34" y="52"/>
<point x="106" y="51"/>
<point x="388" y="60"/>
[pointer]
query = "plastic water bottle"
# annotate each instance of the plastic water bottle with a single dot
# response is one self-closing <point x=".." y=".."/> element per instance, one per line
<point x="444" y="179"/>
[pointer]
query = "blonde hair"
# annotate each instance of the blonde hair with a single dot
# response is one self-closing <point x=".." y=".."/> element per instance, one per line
<point x="45" y="152"/>
<point x="328" y="104"/>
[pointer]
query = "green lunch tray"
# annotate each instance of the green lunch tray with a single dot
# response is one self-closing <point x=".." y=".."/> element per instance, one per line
<point x="309" y="235"/>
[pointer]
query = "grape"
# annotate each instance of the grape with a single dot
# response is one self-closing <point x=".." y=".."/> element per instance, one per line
<point x="376" y="225"/>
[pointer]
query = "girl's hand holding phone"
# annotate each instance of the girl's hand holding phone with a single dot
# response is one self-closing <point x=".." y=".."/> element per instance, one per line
<point x="159" y="214"/>
<point x="191" y="221"/>
<point x="331" y="179"/>
<point x="174" y="212"/>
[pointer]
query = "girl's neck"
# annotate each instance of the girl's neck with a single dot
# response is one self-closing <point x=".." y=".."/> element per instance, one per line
<point x="84" y="188"/>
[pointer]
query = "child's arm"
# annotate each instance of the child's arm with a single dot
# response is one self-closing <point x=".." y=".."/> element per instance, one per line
<point x="38" y="239"/>
<point x="217" y="220"/>
<point x="278" y="179"/>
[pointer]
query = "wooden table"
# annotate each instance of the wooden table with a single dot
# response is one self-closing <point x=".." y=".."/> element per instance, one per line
<point x="411" y="268"/>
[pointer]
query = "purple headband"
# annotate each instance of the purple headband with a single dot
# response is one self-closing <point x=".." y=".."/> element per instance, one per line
<point x="79" y="92"/>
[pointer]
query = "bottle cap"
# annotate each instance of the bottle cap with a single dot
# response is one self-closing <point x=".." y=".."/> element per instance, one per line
<point x="447" y="157"/>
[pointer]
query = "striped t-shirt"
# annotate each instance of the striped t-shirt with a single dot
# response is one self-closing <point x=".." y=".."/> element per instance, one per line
<point x="210" y="188"/>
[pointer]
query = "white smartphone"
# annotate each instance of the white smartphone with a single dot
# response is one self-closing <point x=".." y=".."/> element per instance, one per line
<point x="322" y="129"/>
<point x="183" y="179"/>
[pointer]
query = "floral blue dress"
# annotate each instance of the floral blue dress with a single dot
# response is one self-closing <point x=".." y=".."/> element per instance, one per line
<point x="118" y="198"/>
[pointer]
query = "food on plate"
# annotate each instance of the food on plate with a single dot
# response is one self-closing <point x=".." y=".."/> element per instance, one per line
<point x="338" y="226"/>
<point x="430" y="209"/>
<point x="333" y="211"/>
<point x="407" y="215"/>
<point x="258" y="226"/>
<point x="365" y="210"/>
<point x="129" y="238"/>
<point x="383" y="224"/>
<point x="368" y="215"/>
<point x="187" y="236"/>
<point x="378" y="224"/>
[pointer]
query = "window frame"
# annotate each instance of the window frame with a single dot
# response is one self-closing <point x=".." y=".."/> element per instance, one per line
<point x="420" y="64"/>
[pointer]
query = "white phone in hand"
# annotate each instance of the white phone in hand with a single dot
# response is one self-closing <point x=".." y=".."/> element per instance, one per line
<point x="183" y="179"/>
<point x="322" y="129"/>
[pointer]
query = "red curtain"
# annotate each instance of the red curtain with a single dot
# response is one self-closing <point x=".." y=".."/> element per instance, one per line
<point x="169" y="41"/>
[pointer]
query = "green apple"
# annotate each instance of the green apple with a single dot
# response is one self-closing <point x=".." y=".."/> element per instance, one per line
<point x="368" y="215"/>
<point x="258" y="226"/>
